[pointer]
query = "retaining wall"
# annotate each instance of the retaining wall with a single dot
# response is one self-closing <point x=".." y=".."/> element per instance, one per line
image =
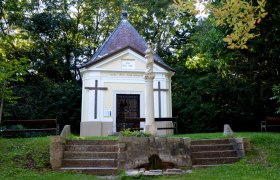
<point x="135" y="151"/>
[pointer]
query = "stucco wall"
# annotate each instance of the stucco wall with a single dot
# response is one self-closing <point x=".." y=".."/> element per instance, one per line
<point x="94" y="128"/>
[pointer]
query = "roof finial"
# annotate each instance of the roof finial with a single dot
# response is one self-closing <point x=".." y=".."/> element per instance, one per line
<point x="124" y="15"/>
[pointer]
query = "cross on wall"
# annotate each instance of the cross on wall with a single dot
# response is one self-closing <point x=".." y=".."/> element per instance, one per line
<point x="96" y="88"/>
<point x="159" y="98"/>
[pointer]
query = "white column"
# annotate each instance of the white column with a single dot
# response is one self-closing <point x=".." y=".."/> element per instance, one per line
<point x="150" y="125"/>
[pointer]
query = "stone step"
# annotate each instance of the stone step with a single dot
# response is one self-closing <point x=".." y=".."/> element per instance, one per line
<point x="210" y="141"/>
<point x="213" y="161"/>
<point x="92" y="142"/>
<point x="89" y="163"/>
<point x="217" y="147"/>
<point x="90" y="155"/>
<point x="212" y="154"/>
<point x="99" y="171"/>
<point x="93" y="148"/>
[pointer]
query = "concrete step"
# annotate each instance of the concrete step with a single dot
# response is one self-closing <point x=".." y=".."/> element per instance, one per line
<point x="212" y="154"/>
<point x="92" y="142"/>
<point x="93" y="148"/>
<point x="99" y="171"/>
<point x="210" y="141"/>
<point x="213" y="161"/>
<point x="90" y="155"/>
<point x="217" y="147"/>
<point x="89" y="163"/>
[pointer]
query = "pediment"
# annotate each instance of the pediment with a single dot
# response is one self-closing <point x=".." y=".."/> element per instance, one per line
<point x="127" y="60"/>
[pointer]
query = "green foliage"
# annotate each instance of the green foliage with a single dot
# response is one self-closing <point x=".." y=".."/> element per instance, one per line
<point x="128" y="132"/>
<point x="236" y="86"/>
<point x="240" y="16"/>
<point x="198" y="63"/>
<point x="195" y="103"/>
<point x="46" y="99"/>
<point x="12" y="69"/>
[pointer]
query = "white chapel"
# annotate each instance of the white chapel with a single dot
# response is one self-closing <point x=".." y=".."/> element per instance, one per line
<point x="114" y="85"/>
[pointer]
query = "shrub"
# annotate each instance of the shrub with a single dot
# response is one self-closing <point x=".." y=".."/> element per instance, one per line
<point x="128" y="132"/>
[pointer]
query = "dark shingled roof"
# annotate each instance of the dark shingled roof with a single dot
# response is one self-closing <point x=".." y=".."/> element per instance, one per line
<point x="125" y="36"/>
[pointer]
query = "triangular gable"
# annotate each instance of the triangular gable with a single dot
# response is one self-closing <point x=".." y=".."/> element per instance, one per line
<point x="122" y="62"/>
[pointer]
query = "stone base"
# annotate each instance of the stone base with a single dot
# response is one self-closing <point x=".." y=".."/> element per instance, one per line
<point x="135" y="152"/>
<point x="162" y="124"/>
<point x="151" y="129"/>
<point x="96" y="128"/>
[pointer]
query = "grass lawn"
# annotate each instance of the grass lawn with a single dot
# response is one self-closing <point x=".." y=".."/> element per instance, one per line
<point x="29" y="159"/>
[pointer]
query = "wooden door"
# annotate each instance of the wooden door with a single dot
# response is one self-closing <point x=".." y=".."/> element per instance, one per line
<point x="128" y="106"/>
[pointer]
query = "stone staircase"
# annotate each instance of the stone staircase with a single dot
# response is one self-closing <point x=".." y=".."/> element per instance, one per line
<point x="213" y="152"/>
<point x="98" y="157"/>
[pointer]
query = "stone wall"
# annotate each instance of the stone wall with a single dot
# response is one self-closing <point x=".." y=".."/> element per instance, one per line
<point x="57" y="147"/>
<point x="241" y="145"/>
<point x="135" y="151"/>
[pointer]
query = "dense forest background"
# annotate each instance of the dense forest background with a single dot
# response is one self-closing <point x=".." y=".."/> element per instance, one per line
<point x="43" y="43"/>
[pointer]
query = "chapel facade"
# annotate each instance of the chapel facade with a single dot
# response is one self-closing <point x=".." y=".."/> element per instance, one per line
<point x="114" y="85"/>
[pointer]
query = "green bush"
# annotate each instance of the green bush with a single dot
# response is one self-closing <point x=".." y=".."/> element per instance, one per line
<point x="128" y="132"/>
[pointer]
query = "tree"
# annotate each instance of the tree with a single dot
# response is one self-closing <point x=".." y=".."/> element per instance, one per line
<point x="10" y="71"/>
<point x="241" y="79"/>
<point x="13" y="47"/>
<point x="240" y="16"/>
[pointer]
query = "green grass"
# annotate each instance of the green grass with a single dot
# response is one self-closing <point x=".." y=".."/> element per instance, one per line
<point x="29" y="159"/>
<point x="201" y="135"/>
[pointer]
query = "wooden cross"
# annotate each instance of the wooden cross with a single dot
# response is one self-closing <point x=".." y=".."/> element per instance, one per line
<point x="96" y="88"/>
<point x="159" y="98"/>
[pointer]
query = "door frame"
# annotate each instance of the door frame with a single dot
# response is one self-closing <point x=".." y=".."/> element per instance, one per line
<point x="142" y="111"/>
